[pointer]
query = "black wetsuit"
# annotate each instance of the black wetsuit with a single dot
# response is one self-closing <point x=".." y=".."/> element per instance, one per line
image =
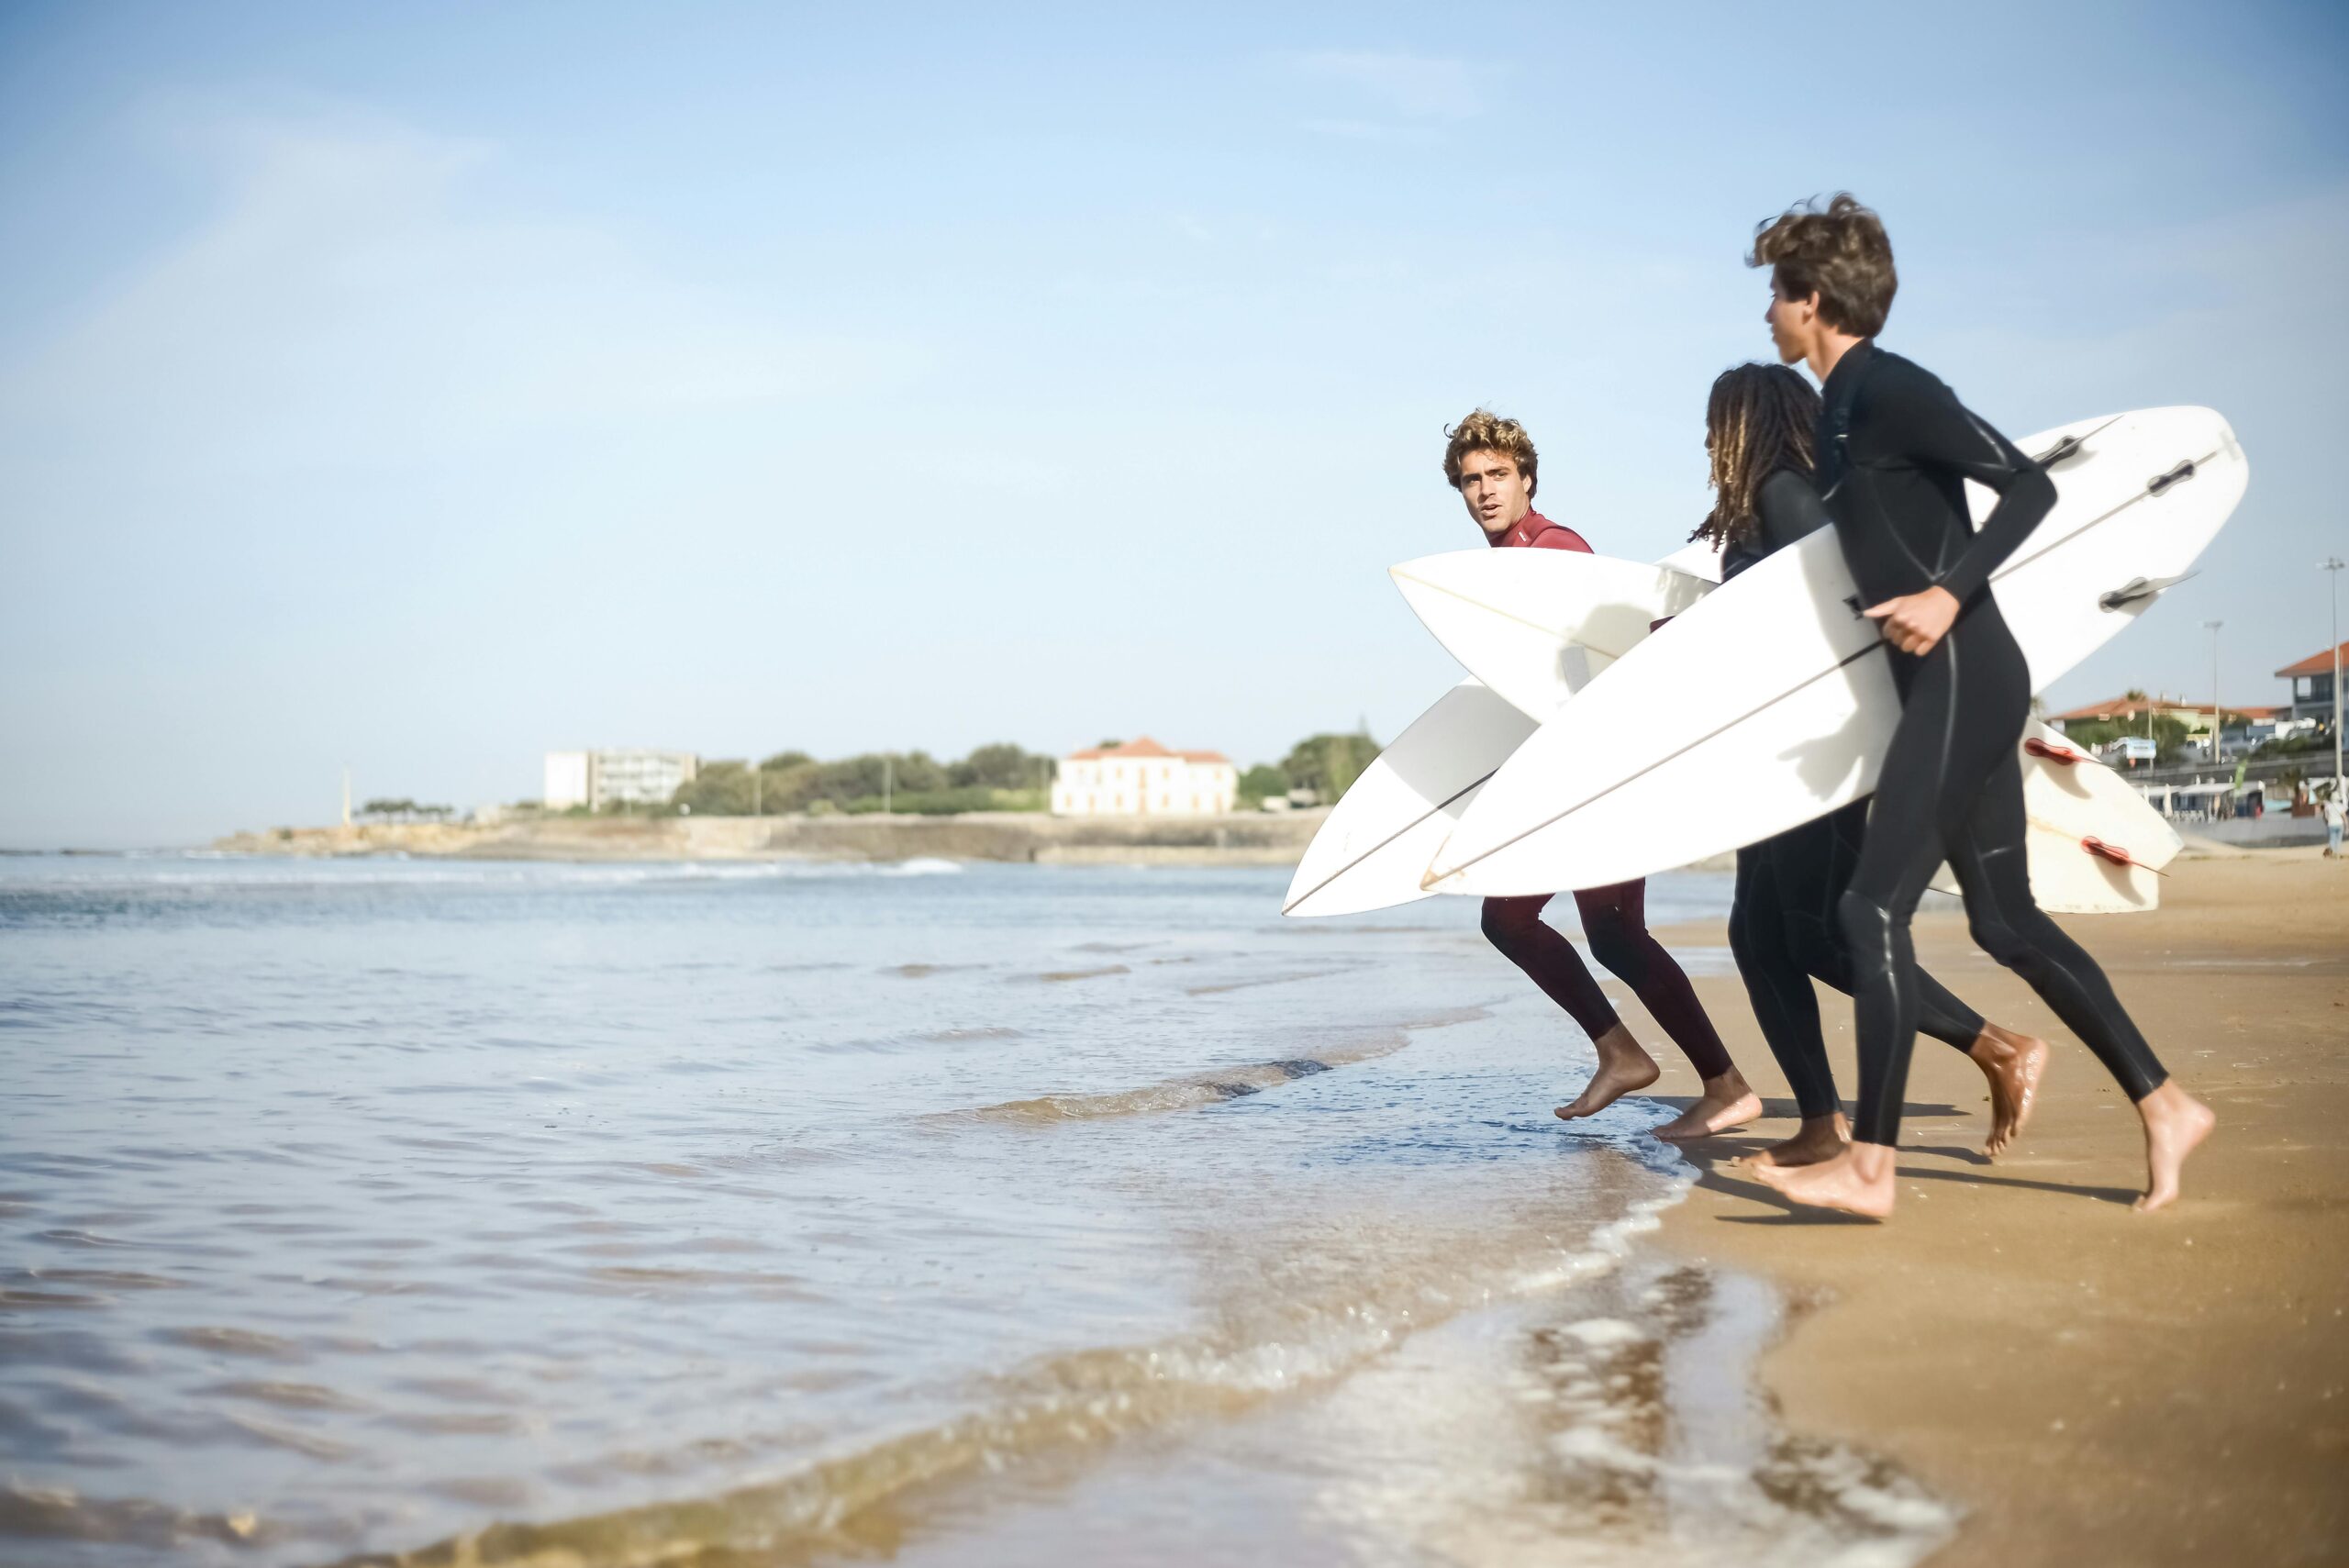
<point x="1895" y="449"/>
<point x="1783" y="924"/>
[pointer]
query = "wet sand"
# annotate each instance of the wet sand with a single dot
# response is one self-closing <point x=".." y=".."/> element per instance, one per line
<point x="2088" y="1383"/>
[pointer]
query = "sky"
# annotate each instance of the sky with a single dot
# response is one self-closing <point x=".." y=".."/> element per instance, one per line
<point x="421" y="388"/>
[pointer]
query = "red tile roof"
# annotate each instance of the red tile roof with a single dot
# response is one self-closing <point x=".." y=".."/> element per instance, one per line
<point x="1143" y="747"/>
<point x="2129" y="708"/>
<point x="2316" y="663"/>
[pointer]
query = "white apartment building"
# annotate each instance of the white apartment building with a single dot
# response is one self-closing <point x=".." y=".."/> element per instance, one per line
<point x="627" y="777"/>
<point x="1141" y="778"/>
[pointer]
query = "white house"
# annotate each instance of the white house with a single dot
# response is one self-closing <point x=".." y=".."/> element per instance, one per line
<point x="627" y="776"/>
<point x="1141" y="778"/>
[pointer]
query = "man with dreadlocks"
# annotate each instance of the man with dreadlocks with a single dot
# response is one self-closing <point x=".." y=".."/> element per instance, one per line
<point x="1894" y="451"/>
<point x="1782" y="923"/>
<point x="1491" y="462"/>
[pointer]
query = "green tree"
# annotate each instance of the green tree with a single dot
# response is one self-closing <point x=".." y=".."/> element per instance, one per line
<point x="719" y="789"/>
<point x="999" y="766"/>
<point x="1261" y="782"/>
<point x="1329" y="764"/>
<point x="783" y="762"/>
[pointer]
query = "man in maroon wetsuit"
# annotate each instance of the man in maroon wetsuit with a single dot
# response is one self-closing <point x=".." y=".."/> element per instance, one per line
<point x="1491" y="461"/>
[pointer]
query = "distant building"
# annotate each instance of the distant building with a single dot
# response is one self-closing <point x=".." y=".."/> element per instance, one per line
<point x="1141" y="778"/>
<point x="2311" y="681"/>
<point x="2126" y="711"/>
<point x="601" y="781"/>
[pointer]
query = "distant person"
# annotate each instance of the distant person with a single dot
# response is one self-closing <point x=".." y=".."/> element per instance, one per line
<point x="2335" y="816"/>
<point x="1760" y="426"/>
<point x="1491" y="462"/>
<point x="1896" y="449"/>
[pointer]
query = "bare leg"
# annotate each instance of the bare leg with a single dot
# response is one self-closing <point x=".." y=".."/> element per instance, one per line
<point x="2013" y="1063"/>
<point x="1728" y="1101"/>
<point x="2176" y="1124"/>
<point x="1858" y="1181"/>
<point x="1622" y="1068"/>
<point x="1821" y="1137"/>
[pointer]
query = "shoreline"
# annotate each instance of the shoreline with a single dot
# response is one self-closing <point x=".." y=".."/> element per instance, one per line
<point x="2085" y="1382"/>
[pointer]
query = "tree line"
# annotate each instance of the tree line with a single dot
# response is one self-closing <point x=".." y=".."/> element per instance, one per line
<point x="997" y="777"/>
<point x="1325" y="764"/>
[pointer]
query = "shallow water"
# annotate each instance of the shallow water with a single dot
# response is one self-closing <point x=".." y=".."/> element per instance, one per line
<point x="764" y="1213"/>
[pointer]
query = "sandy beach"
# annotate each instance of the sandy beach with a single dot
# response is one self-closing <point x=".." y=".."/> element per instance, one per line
<point x="2092" y="1385"/>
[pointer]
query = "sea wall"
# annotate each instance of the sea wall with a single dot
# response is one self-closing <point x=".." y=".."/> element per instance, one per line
<point x="1252" y="838"/>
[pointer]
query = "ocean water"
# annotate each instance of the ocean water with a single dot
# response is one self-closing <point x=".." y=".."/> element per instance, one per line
<point x="467" y="1212"/>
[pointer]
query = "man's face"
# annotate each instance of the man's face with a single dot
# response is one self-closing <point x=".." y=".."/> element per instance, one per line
<point x="1794" y="323"/>
<point x="1495" y="492"/>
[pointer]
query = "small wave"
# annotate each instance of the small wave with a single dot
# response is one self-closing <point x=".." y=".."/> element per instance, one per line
<point x="1218" y="987"/>
<point x="205" y="871"/>
<point x="1073" y="1403"/>
<point x="1062" y="976"/>
<point x="59" y="1513"/>
<point x="1211" y="1087"/>
<point x="924" y="971"/>
<point x="921" y="866"/>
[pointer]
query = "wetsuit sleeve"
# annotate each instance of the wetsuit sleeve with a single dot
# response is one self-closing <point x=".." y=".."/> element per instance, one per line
<point x="1787" y="508"/>
<point x="1918" y="418"/>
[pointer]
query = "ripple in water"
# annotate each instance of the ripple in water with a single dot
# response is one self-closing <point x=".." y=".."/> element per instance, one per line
<point x="618" y="1214"/>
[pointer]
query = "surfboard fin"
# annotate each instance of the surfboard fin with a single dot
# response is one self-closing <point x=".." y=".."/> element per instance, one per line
<point x="2116" y="854"/>
<point x="2062" y="756"/>
<point x="2138" y="589"/>
<point x="2069" y="447"/>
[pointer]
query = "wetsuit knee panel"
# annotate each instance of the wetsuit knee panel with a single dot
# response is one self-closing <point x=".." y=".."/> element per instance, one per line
<point x="1505" y="923"/>
<point x="1995" y="937"/>
<point x="1613" y="943"/>
<point x="1870" y="931"/>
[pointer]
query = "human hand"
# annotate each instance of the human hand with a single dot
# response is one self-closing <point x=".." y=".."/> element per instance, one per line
<point x="1914" y="622"/>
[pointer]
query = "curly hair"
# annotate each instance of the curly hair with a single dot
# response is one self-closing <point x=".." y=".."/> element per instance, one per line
<point x="1485" y="431"/>
<point x="1843" y="255"/>
<point x="1760" y="418"/>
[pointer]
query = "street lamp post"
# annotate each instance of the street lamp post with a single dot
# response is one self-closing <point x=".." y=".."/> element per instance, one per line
<point x="2213" y="626"/>
<point x="2332" y="566"/>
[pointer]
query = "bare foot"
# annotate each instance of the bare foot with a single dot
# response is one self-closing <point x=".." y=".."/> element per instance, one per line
<point x="1727" y="1102"/>
<point x="2013" y="1062"/>
<point x="1821" y="1137"/>
<point x="1858" y="1181"/>
<point x="2175" y="1125"/>
<point x="1622" y="1067"/>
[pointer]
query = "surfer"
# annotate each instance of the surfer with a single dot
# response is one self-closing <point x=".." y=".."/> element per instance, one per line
<point x="1491" y="462"/>
<point x="1895" y="449"/>
<point x="1760" y="437"/>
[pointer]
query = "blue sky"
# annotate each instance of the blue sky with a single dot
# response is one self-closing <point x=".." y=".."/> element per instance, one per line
<point x="423" y="387"/>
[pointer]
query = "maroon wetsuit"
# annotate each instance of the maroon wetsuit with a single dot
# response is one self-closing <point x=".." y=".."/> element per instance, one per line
<point x="1614" y="919"/>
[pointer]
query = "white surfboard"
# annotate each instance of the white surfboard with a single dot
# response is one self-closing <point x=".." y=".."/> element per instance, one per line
<point x="1515" y="617"/>
<point x="1538" y="625"/>
<point x="1373" y="850"/>
<point x="2095" y="845"/>
<point x="1770" y="701"/>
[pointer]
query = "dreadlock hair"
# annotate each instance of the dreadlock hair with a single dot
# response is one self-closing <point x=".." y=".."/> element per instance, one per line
<point x="1760" y="418"/>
